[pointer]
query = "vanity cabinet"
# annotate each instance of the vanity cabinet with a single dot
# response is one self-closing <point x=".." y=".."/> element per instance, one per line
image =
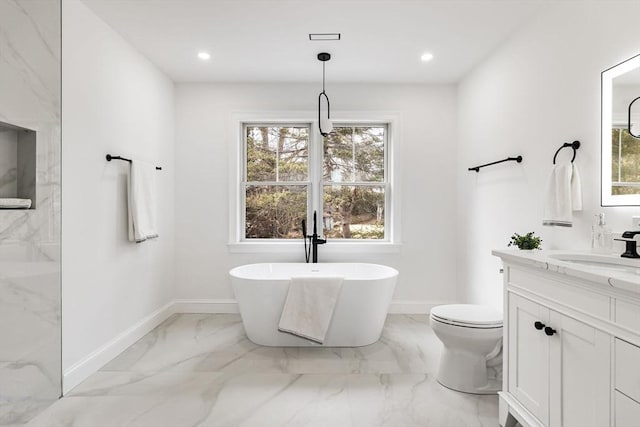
<point x="528" y="369"/>
<point x="627" y="384"/>
<point x="579" y="377"/>
<point x="558" y="367"/>
<point x="571" y="349"/>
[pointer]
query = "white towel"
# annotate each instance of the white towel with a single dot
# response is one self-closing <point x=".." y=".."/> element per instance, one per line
<point x="564" y="195"/>
<point x="309" y="306"/>
<point x="9" y="203"/>
<point x="142" y="201"/>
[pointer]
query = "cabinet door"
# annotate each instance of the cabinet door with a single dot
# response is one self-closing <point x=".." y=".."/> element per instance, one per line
<point x="579" y="377"/>
<point x="529" y="356"/>
<point x="627" y="411"/>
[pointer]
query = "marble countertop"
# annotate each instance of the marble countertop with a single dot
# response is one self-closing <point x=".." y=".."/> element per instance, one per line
<point x="599" y="272"/>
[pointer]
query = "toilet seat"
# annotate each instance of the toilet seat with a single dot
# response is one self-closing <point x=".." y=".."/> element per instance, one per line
<point x="467" y="316"/>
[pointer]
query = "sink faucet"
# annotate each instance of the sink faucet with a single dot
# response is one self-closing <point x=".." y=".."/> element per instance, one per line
<point x="314" y="240"/>
<point x="631" y="249"/>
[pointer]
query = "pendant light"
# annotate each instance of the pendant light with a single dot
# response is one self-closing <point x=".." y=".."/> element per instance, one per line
<point x="324" y="122"/>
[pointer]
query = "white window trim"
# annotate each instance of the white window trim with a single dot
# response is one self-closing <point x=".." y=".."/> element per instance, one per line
<point x="335" y="246"/>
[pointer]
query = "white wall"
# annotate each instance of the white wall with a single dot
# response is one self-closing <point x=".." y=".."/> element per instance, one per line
<point x="540" y="89"/>
<point x="115" y="101"/>
<point x="622" y="96"/>
<point x="426" y="146"/>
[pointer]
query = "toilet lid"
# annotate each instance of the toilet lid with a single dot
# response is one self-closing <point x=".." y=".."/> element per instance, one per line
<point x="468" y="314"/>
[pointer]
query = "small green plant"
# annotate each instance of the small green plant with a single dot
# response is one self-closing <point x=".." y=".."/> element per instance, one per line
<point x="528" y="241"/>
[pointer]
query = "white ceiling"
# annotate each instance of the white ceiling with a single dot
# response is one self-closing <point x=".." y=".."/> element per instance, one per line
<point x="267" y="40"/>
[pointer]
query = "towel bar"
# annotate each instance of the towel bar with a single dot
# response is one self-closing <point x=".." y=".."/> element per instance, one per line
<point x="508" y="159"/>
<point x="110" y="157"/>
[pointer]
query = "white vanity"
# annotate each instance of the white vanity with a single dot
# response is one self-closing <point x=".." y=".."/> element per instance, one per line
<point x="571" y="340"/>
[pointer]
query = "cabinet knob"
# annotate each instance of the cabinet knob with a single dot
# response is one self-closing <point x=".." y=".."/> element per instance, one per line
<point x="549" y="331"/>
<point x="538" y="325"/>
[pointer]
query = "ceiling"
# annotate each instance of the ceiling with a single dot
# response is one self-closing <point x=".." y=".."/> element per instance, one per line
<point x="267" y="40"/>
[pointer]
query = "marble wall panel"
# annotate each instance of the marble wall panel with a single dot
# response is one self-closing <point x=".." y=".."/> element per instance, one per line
<point x="30" y="289"/>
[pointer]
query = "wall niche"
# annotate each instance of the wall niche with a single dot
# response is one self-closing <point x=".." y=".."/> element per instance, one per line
<point x="17" y="164"/>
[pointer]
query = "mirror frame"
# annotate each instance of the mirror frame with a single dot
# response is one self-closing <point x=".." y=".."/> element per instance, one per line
<point x="606" y="123"/>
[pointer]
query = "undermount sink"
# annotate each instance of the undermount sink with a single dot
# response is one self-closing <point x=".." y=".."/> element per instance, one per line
<point x="601" y="261"/>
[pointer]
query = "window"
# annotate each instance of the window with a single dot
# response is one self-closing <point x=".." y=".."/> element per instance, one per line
<point x="288" y="173"/>
<point x="353" y="182"/>
<point x="625" y="155"/>
<point x="276" y="186"/>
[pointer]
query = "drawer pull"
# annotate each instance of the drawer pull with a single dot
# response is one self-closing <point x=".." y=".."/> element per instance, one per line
<point x="538" y="325"/>
<point x="549" y="331"/>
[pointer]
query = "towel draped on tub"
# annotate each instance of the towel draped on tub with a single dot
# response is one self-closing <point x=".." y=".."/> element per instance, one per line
<point x="309" y="306"/>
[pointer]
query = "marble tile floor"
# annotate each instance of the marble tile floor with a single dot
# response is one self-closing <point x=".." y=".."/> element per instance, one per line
<point x="201" y="370"/>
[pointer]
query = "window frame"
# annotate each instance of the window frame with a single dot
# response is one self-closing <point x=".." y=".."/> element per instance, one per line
<point x="244" y="183"/>
<point x="384" y="183"/>
<point x="238" y="242"/>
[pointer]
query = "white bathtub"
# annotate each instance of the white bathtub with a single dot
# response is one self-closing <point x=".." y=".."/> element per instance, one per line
<point x="359" y="315"/>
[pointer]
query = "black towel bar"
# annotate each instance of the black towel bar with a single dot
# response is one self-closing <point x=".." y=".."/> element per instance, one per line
<point x="110" y="157"/>
<point x="508" y="159"/>
<point x="575" y="145"/>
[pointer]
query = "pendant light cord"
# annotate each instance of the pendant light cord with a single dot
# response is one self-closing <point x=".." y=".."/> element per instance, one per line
<point x="323" y="63"/>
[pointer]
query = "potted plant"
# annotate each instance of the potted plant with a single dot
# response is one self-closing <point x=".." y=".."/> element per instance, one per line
<point x="526" y="242"/>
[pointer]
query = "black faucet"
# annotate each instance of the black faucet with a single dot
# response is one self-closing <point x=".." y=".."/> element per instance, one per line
<point x="313" y="240"/>
<point x="631" y="249"/>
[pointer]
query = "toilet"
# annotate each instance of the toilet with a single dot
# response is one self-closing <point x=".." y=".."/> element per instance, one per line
<point x="471" y="360"/>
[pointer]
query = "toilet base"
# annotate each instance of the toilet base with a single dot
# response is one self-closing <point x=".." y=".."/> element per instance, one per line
<point x="466" y="372"/>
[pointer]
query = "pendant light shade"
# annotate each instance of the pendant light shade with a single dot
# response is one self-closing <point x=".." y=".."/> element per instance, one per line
<point x="326" y="127"/>
<point x="324" y="121"/>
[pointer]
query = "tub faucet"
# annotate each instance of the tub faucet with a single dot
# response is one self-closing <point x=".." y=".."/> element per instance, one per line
<point x="631" y="249"/>
<point x="314" y="240"/>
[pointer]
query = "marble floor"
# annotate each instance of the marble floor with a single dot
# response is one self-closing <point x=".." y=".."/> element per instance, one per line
<point x="201" y="370"/>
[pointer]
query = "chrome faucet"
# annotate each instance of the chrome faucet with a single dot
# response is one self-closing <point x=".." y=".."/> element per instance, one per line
<point x="314" y="241"/>
<point x="631" y="249"/>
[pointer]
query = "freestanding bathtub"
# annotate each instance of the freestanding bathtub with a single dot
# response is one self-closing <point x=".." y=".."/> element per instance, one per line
<point x="360" y="311"/>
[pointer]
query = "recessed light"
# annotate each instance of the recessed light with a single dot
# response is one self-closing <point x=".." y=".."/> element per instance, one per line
<point x="205" y="56"/>
<point x="426" y="57"/>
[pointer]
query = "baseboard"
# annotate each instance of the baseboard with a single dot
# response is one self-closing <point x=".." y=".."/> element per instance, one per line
<point x="205" y="306"/>
<point x="231" y="306"/>
<point x="413" y="307"/>
<point x="90" y="364"/>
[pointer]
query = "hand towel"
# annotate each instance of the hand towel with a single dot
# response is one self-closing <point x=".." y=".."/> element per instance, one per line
<point x="309" y="306"/>
<point x="142" y="201"/>
<point x="9" y="203"/>
<point x="564" y="195"/>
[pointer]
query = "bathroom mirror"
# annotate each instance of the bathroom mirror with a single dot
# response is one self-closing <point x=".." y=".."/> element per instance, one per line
<point x="620" y="148"/>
